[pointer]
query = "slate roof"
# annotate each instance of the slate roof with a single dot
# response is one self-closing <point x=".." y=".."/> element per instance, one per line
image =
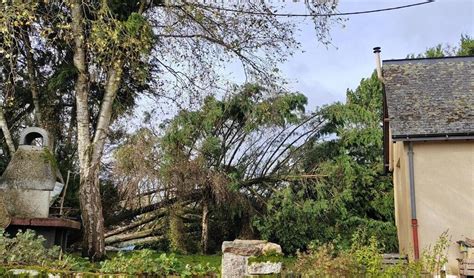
<point x="430" y="97"/>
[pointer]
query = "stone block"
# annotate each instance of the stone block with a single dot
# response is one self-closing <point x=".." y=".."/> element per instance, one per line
<point x="236" y="254"/>
<point x="261" y="268"/>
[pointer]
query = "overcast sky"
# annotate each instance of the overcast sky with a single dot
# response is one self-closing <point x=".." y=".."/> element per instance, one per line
<point x="324" y="74"/>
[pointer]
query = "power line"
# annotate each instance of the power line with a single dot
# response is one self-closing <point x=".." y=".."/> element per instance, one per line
<point x="319" y="15"/>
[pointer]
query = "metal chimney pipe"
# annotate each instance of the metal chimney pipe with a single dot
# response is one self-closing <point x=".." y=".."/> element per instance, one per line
<point x="378" y="62"/>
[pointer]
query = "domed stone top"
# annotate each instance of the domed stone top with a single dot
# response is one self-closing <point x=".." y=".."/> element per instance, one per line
<point x="33" y="165"/>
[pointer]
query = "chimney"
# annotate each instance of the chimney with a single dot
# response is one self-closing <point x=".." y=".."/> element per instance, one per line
<point x="378" y="62"/>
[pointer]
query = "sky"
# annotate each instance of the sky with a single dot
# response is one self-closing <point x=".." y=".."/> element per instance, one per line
<point x="324" y="74"/>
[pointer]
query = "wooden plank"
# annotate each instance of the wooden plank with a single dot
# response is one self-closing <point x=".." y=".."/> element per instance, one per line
<point x="466" y="267"/>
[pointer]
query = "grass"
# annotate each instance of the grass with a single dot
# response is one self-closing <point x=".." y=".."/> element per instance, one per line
<point x="213" y="260"/>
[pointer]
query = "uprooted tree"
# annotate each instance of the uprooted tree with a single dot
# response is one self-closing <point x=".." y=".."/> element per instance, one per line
<point x="73" y="67"/>
<point x="232" y="152"/>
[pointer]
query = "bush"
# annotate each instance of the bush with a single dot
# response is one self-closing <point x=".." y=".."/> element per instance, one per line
<point x="364" y="259"/>
<point x="434" y="258"/>
<point x="322" y="262"/>
<point x="26" y="248"/>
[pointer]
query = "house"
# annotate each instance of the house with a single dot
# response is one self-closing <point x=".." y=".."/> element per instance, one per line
<point x="429" y="148"/>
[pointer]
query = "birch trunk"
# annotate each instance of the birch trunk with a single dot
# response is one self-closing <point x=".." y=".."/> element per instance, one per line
<point x="6" y="132"/>
<point x="89" y="192"/>
<point x="90" y="148"/>
<point x="32" y="78"/>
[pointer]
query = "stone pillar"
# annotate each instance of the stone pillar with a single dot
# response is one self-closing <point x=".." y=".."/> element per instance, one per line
<point x="243" y="258"/>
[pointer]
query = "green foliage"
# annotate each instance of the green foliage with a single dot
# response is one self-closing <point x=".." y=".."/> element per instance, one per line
<point x="465" y="48"/>
<point x="367" y="255"/>
<point x="25" y="248"/>
<point x="205" y="150"/>
<point x="114" y="40"/>
<point x="435" y="257"/>
<point x="272" y="257"/>
<point x="353" y="192"/>
<point x="195" y="259"/>
<point x="322" y="261"/>
<point x="148" y="262"/>
<point x="293" y="221"/>
<point x="48" y="157"/>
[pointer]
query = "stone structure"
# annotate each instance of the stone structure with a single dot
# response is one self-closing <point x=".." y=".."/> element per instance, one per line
<point x="31" y="180"/>
<point x="4" y="215"/>
<point x="28" y="187"/>
<point x="242" y="258"/>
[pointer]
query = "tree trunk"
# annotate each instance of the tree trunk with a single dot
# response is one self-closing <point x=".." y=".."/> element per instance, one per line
<point x="129" y="214"/>
<point x="137" y="223"/>
<point x="91" y="212"/>
<point x="6" y="132"/>
<point x="205" y="227"/>
<point x="131" y="236"/>
<point x="246" y="231"/>
<point x="90" y="152"/>
<point x="139" y="241"/>
<point x="89" y="191"/>
<point x="177" y="229"/>
<point x="33" y="80"/>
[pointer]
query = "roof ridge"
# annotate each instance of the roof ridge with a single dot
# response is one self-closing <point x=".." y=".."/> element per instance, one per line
<point x="429" y="59"/>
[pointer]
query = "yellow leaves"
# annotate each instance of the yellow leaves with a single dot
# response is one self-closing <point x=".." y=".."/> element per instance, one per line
<point x="112" y="39"/>
<point x="14" y="15"/>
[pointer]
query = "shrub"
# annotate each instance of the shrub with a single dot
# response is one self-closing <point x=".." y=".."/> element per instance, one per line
<point x="434" y="258"/>
<point x="26" y="248"/>
<point x="367" y="256"/>
<point x="322" y="262"/>
<point x="364" y="259"/>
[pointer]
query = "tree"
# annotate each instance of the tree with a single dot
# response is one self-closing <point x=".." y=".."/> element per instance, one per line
<point x="465" y="48"/>
<point x="228" y="152"/>
<point x="353" y="192"/>
<point x="94" y="58"/>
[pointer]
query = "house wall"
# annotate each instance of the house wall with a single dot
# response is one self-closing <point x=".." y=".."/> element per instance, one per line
<point x="444" y="189"/>
<point x="401" y="187"/>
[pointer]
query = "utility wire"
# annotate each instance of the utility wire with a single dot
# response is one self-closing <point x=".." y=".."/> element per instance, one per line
<point x="318" y="15"/>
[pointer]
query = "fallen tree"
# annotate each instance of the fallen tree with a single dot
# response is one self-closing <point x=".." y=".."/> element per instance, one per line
<point x="130" y="214"/>
<point x="132" y="236"/>
<point x="142" y="221"/>
<point x="139" y="241"/>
